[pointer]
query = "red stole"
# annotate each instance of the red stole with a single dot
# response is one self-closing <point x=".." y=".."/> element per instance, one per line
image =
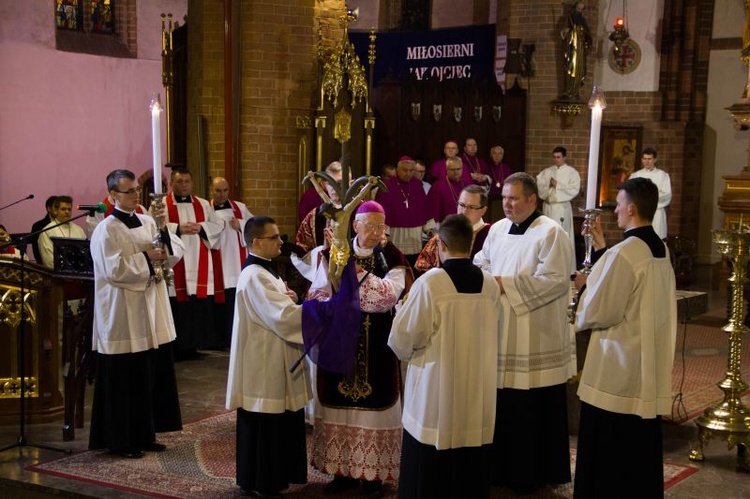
<point x="180" y="279"/>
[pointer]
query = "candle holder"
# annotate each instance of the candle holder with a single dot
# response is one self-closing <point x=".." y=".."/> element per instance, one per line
<point x="590" y="217"/>
<point x="730" y="419"/>
<point x="162" y="270"/>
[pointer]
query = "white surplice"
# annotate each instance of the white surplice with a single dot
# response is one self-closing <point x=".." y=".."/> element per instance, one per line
<point x="537" y="344"/>
<point x="212" y="227"/>
<point x="230" y="242"/>
<point x="132" y="312"/>
<point x="629" y="304"/>
<point x="663" y="183"/>
<point x="46" y="249"/>
<point x="431" y="330"/>
<point x="557" y="199"/>
<point x="266" y="342"/>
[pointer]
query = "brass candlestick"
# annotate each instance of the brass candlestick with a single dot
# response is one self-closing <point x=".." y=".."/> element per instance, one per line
<point x="590" y="217"/>
<point x="162" y="270"/>
<point x="730" y="420"/>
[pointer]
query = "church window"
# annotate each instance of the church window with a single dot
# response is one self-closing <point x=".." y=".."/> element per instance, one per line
<point x="102" y="16"/>
<point x="68" y="14"/>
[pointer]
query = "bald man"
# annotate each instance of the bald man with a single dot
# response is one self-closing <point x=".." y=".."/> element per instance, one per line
<point x="229" y="259"/>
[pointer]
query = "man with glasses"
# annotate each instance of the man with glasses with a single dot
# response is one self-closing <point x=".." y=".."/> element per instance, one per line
<point x="357" y="431"/>
<point x="529" y="254"/>
<point x="135" y="395"/>
<point x="473" y="204"/>
<point x="266" y="341"/>
<point x="67" y="230"/>
<point x="93" y="219"/>
<point x="192" y="296"/>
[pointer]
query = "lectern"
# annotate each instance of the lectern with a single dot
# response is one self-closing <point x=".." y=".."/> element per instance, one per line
<point x="43" y="293"/>
<point x="74" y="267"/>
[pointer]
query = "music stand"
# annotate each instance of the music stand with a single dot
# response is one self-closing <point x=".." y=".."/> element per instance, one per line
<point x="20" y="244"/>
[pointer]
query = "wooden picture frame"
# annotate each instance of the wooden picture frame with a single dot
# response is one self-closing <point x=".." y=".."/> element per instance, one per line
<point x="619" y="156"/>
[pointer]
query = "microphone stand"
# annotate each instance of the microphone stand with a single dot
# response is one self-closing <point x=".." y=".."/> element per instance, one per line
<point x="20" y="243"/>
<point x="30" y="196"/>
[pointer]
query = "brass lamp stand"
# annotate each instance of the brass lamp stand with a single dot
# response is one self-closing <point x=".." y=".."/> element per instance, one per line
<point x="590" y="217"/>
<point x="730" y="419"/>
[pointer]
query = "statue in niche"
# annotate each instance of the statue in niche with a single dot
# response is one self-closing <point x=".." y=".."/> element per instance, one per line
<point x="576" y="45"/>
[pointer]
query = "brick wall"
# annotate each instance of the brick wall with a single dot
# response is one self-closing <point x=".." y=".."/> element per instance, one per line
<point x="277" y="78"/>
<point x="205" y="88"/>
<point x="678" y="142"/>
<point x="277" y="82"/>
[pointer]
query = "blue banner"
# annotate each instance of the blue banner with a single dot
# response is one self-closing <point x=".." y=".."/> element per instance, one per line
<point x="444" y="54"/>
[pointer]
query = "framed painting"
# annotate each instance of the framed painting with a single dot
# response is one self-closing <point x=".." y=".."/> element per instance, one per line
<point x="619" y="151"/>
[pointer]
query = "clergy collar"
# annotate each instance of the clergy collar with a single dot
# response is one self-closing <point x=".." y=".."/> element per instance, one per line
<point x="638" y="231"/>
<point x="521" y="228"/>
<point x="479" y="225"/>
<point x="361" y="251"/>
<point x="647" y="234"/>
<point x="183" y="199"/>
<point x="131" y="220"/>
<point x="457" y="260"/>
<point x="226" y="205"/>
<point x="253" y="259"/>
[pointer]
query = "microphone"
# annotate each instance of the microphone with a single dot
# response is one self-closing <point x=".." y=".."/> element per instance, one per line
<point x="30" y="196"/>
<point x="94" y="208"/>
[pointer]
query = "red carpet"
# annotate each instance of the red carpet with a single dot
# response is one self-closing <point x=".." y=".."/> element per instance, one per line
<point x="199" y="462"/>
<point x="704" y="358"/>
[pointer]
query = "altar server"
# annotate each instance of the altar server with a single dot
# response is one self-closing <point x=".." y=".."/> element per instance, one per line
<point x="629" y="304"/>
<point x="229" y="259"/>
<point x="135" y="395"/>
<point x="193" y="295"/>
<point x="530" y="255"/>
<point x="270" y="400"/>
<point x="450" y="389"/>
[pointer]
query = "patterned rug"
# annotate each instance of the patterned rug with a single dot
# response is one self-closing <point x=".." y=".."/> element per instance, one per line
<point x="200" y="462"/>
<point x="700" y="363"/>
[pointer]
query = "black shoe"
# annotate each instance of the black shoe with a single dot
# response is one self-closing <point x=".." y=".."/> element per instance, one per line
<point x="127" y="452"/>
<point x="154" y="447"/>
<point x="340" y="484"/>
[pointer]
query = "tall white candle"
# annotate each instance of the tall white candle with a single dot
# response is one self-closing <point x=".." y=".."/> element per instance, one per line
<point x="156" y="141"/>
<point x="597" y="103"/>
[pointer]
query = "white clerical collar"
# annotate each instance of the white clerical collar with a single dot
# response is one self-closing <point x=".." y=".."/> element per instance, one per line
<point x="478" y="226"/>
<point x="361" y="251"/>
<point x="258" y="256"/>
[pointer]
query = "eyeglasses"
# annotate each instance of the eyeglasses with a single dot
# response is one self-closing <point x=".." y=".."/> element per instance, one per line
<point x="275" y="236"/>
<point x="469" y="207"/>
<point x="371" y="227"/>
<point x="134" y="190"/>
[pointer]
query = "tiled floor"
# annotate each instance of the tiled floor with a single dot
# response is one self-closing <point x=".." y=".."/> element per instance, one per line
<point x="202" y="388"/>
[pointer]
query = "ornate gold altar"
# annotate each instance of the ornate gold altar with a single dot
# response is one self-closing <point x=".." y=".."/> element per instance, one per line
<point x="341" y="123"/>
<point x="42" y="294"/>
